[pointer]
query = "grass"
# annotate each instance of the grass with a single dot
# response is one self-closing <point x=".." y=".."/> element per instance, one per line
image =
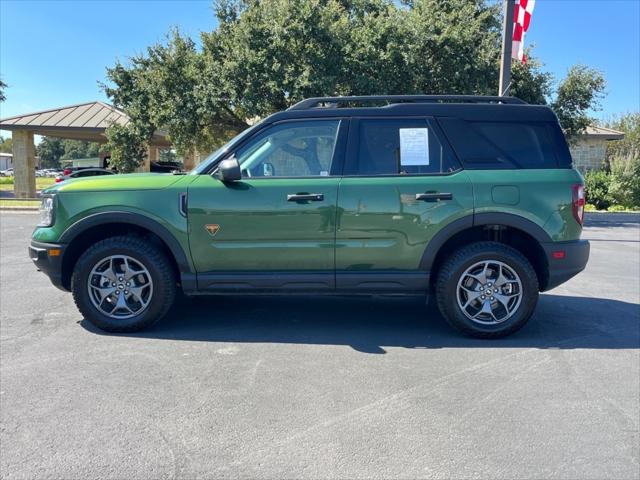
<point x="6" y="183"/>
<point x="612" y="209"/>
<point x="19" y="203"/>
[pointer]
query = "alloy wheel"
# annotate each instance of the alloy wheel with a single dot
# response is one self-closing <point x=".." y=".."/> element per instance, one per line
<point x="489" y="292"/>
<point x="120" y="287"/>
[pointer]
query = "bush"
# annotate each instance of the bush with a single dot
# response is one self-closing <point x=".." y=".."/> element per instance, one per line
<point x="617" y="208"/>
<point x="597" y="184"/>
<point x="624" y="188"/>
<point x="6" y="180"/>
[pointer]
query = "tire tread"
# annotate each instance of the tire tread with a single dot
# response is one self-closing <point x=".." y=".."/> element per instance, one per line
<point x="151" y="254"/>
<point x="453" y="263"/>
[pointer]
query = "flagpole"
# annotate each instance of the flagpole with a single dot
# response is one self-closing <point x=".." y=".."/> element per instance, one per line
<point x="507" y="43"/>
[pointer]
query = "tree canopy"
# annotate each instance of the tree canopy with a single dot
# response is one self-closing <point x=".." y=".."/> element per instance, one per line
<point x="629" y="147"/>
<point x="266" y="55"/>
<point x="6" y="145"/>
<point x="52" y="151"/>
<point x="49" y="151"/>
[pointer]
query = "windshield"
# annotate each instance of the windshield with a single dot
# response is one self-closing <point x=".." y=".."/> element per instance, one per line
<point x="215" y="156"/>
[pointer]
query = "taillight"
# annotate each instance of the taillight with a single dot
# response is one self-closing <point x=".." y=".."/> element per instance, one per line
<point x="66" y="171"/>
<point x="578" y="202"/>
<point x="59" y="179"/>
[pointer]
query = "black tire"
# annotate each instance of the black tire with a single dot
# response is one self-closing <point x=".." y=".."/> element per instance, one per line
<point x="458" y="263"/>
<point x="148" y="255"/>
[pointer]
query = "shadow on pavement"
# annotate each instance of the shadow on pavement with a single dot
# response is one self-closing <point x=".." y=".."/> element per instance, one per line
<point x="368" y="324"/>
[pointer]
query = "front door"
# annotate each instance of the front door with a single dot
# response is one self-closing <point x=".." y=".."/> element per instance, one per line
<point x="401" y="186"/>
<point x="275" y="228"/>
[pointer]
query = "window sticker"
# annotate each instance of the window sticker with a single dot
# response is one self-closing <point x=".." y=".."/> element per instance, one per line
<point x="414" y="146"/>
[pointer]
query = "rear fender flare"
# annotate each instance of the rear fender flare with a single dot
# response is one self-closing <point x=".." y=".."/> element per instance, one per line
<point x="470" y="221"/>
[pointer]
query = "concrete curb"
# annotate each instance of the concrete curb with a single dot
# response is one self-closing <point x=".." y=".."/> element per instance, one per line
<point x="19" y="209"/>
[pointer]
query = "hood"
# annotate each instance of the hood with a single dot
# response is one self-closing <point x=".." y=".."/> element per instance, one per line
<point x="112" y="183"/>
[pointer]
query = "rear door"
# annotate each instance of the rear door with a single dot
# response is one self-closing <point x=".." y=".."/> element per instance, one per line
<point x="401" y="185"/>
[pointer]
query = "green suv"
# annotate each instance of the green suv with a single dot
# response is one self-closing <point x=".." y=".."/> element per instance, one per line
<point x="473" y="199"/>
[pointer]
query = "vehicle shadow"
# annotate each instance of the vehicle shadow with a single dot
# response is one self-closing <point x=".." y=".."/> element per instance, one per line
<point x="369" y="324"/>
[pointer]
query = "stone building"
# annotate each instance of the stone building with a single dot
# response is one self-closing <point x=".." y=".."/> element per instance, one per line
<point x="589" y="149"/>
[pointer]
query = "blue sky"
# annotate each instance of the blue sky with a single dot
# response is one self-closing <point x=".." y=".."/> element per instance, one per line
<point x="53" y="53"/>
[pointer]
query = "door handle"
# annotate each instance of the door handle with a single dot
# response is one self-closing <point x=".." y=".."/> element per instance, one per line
<point x="305" y="197"/>
<point x="434" y="196"/>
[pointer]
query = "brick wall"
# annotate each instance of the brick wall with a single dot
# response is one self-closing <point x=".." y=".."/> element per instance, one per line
<point x="588" y="153"/>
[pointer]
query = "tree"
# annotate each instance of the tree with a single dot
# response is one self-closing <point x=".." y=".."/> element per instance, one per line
<point x="50" y="150"/>
<point x="578" y="93"/>
<point x="127" y="150"/>
<point x="266" y="55"/>
<point x="6" y="145"/>
<point x="167" y="155"/>
<point x="3" y="87"/>
<point x="530" y="83"/>
<point x="629" y="147"/>
<point x="623" y="159"/>
<point x="79" y="149"/>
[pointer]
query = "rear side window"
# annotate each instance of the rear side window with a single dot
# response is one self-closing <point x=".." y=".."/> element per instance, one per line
<point x="398" y="147"/>
<point x="501" y="144"/>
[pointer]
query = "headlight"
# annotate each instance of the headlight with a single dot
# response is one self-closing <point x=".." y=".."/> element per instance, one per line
<point x="46" y="212"/>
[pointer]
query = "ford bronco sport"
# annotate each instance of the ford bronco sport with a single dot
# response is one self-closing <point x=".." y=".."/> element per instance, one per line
<point x="471" y="198"/>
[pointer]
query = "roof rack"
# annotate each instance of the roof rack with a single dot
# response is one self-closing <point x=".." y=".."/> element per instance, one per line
<point x="336" y="102"/>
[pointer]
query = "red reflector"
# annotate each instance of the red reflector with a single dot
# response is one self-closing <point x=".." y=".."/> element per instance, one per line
<point x="559" y="255"/>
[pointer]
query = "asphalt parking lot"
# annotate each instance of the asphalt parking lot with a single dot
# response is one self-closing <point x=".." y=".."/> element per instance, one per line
<point x="323" y="387"/>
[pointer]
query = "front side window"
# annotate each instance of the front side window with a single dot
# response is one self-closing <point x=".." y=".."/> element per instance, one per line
<point x="399" y="147"/>
<point x="291" y="149"/>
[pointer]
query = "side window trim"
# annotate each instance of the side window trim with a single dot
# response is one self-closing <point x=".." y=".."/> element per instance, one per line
<point x="337" y="161"/>
<point x="353" y="144"/>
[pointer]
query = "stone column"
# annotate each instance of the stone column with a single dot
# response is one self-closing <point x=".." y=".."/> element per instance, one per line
<point x="152" y="156"/>
<point x="189" y="161"/>
<point x="24" y="164"/>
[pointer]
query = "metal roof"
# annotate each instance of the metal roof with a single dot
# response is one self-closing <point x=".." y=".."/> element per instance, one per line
<point x="603" y="133"/>
<point x="84" y="121"/>
<point x="83" y="115"/>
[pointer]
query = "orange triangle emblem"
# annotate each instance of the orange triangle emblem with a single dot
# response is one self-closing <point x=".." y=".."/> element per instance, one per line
<point x="212" y="228"/>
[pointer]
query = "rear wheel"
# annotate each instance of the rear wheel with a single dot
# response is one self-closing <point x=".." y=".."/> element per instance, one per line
<point x="123" y="284"/>
<point x="487" y="290"/>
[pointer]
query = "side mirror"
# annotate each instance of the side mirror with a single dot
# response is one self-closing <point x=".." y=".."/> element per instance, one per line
<point x="228" y="170"/>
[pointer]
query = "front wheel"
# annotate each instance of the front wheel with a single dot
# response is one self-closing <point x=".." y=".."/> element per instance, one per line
<point x="123" y="284"/>
<point x="487" y="290"/>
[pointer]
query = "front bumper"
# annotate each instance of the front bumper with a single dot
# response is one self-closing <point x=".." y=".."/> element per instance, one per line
<point x="563" y="266"/>
<point x="48" y="259"/>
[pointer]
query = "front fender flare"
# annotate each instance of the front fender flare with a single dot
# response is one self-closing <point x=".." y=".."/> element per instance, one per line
<point x="131" y="218"/>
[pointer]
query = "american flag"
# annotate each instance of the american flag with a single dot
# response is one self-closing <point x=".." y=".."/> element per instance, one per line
<point x="521" y="20"/>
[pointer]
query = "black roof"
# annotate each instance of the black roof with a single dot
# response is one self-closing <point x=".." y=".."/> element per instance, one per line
<point x="460" y="106"/>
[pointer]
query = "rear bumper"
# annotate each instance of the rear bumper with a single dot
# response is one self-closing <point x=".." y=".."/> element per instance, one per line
<point x="574" y="260"/>
<point x="51" y="265"/>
